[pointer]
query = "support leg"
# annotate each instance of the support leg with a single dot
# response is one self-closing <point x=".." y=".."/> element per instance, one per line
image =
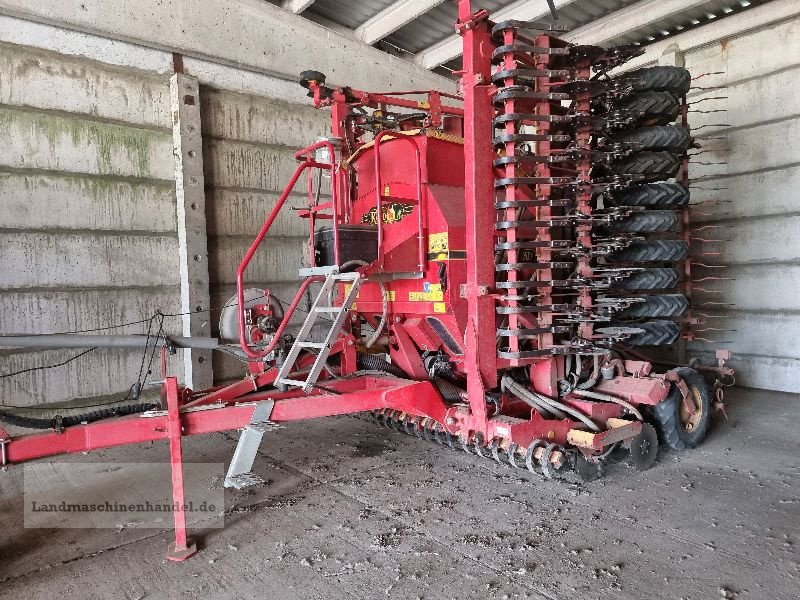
<point x="183" y="547"/>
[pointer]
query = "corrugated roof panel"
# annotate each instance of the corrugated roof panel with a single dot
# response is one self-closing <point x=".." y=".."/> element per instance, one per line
<point x="437" y="24"/>
<point x="347" y="12"/>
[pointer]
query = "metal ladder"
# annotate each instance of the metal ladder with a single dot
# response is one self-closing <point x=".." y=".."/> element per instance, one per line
<point x="303" y="341"/>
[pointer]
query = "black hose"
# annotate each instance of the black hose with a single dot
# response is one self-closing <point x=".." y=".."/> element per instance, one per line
<point x="59" y="422"/>
<point x="449" y="391"/>
<point x="372" y="362"/>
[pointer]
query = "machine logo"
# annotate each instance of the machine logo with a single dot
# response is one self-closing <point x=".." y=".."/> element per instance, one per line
<point x="392" y="213"/>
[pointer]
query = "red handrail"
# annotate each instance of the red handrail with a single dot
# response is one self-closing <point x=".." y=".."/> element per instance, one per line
<point x="421" y="216"/>
<point x="307" y="163"/>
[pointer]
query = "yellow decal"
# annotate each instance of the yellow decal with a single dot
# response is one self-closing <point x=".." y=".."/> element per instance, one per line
<point x="392" y="213"/>
<point x="439" y="307"/>
<point x="438" y="242"/>
<point x="425" y="296"/>
<point x="386" y="191"/>
<point x="431" y="292"/>
<point x="390" y="294"/>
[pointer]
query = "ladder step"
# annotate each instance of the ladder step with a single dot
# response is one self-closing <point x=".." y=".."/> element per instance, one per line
<point x="328" y="309"/>
<point x="346" y="276"/>
<point x="318" y="345"/>
<point x="292" y="382"/>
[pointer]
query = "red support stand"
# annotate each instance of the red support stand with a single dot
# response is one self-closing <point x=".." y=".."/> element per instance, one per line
<point x="183" y="547"/>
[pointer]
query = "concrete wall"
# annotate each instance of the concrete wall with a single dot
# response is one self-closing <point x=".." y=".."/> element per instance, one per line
<point x="249" y="145"/>
<point x="88" y="231"/>
<point x="756" y="136"/>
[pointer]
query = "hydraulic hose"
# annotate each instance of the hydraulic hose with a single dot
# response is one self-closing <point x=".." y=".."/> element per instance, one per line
<point x="593" y="377"/>
<point x="377" y="333"/>
<point x="553" y="404"/>
<point x="372" y="362"/>
<point x="530" y="399"/>
<point x="606" y="398"/>
<point x="59" y="422"/>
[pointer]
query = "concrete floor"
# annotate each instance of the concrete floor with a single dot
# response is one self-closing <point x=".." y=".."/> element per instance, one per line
<point x="381" y="515"/>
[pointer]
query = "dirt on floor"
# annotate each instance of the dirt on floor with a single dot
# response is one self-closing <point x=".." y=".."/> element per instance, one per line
<point x="351" y="511"/>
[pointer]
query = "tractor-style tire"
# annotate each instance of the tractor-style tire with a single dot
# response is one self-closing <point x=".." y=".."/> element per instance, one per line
<point x="646" y="221"/>
<point x="652" y="251"/>
<point x="678" y="429"/>
<point x="656" y="333"/>
<point x="649" y="279"/>
<point x="661" y="137"/>
<point x="676" y="80"/>
<point x="662" y="306"/>
<point x="650" y="108"/>
<point x="651" y="195"/>
<point x="651" y="165"/>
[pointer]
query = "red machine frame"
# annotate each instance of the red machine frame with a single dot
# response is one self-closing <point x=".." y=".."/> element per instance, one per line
<point x="229" y="407"/>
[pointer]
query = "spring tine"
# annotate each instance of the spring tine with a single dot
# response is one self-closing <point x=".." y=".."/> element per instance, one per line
<point x="706" y="266"/>
<point x="707" y="316"/>
<point x="708" y="112"/>
<point x="707" y="74"/>
<point x="717" y="304"/>
<point x="712" y="278"/>
<point x="712" y="125"/>
<point x="709" y="341"/>
<point x="702" y="227"/>
<point x="709" y="98"/>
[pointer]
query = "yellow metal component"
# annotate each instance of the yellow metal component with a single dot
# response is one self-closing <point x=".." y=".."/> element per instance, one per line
<point x="580" y="438"/>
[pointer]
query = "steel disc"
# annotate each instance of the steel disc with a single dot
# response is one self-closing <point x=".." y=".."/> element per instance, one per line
<point x="644" y="448"/>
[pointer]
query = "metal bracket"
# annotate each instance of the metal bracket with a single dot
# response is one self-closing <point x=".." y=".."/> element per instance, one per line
<point x="4" y="440"/>
<point x="240" y="473"/>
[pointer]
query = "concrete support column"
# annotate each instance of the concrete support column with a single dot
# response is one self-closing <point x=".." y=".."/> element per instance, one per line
<point x="192" y="240"/>
<point x="672" y="57"/>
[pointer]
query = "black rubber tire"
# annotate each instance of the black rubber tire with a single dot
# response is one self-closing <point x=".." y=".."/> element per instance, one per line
<point x="662" y="306"/>
<point x="652" y="165"/>
<point x="646" y="221"/>
<point x="656" y="333"/>
<point x="651" y="195"/>
<point x="650" y="108"/>
<point x="650" y="279"/>
<point x="661" y="137"/>
<point x="661" y="79"/>
<point x="666" y="414"/>
<point x="652" y="251"/>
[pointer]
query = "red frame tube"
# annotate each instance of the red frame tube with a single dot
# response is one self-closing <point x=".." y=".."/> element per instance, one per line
<point x="307" y="163"/>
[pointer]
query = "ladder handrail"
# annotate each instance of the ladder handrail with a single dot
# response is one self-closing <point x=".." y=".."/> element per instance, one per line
<point x="421" y="216"/>
<point x="307" y="163"/>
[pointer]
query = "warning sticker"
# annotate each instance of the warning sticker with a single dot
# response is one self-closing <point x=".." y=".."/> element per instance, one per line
<point x="432" y="296"/>
<point x="438" y="246"/>
<point x="439" y="307"/>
